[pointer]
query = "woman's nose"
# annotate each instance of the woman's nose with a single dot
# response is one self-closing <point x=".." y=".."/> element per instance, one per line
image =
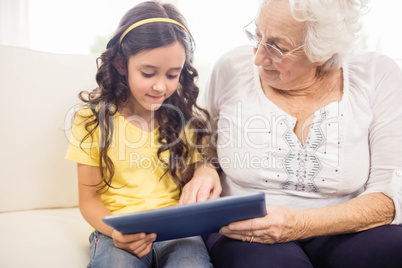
<point x="261" y="56"/>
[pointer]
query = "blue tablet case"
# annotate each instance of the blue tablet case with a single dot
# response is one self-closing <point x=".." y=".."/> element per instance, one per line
<point x="190" y="219"/>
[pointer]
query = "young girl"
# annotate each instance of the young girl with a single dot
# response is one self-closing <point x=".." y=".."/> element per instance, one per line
<point x="139" y="139"/>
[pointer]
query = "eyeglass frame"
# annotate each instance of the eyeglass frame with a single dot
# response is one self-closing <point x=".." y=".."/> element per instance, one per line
<point x="249" y="34"/>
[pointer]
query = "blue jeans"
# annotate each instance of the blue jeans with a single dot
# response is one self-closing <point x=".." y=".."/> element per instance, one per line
<point x="185" y="252"/>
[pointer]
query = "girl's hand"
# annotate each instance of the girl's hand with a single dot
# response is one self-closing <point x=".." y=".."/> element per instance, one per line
<point x="204" y="185"/>
<point x="137" y="244"/>
<point x="281" y="224"/>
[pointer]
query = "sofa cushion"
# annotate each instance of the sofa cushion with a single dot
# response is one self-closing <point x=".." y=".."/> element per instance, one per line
<point x="44" y="238"/>
<point x="37" y="89"/>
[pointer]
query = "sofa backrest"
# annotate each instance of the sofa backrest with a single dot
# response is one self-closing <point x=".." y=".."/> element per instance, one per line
<point x="37" y="91"/>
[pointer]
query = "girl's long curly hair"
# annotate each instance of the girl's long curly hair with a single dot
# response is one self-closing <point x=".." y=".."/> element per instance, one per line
<point x="113" y="91"/>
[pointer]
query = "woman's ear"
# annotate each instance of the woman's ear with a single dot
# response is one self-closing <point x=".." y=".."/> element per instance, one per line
<point x="119" y="64"/>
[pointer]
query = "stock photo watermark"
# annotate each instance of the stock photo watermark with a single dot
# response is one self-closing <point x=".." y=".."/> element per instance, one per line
<point x="257" y="132"/>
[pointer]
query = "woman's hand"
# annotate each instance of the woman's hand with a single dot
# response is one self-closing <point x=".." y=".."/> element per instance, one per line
<point x="137" y="244"/>
<point x="281" y="224"/>
<point x="204" y="185"/>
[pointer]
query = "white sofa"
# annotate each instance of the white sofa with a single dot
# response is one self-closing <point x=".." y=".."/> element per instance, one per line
<point x="40" y="223"/>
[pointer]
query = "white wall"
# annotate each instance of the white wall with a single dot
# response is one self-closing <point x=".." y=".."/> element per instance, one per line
<point x="14" y="23"/>
<point x="71" y="26"/>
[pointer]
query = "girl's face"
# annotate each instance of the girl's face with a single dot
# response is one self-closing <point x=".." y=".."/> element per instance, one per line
<point x="153" y="76"/>
<point x="278" y="28"/>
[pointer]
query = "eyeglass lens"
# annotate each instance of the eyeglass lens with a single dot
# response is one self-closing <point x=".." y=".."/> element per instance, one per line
<point x="273" y="53"/>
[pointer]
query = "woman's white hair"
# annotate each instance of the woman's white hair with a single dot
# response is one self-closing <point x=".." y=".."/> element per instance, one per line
<point x="331" y="28"/>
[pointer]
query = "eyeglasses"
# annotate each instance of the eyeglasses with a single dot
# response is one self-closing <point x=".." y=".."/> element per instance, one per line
<point x="274" y="52"/>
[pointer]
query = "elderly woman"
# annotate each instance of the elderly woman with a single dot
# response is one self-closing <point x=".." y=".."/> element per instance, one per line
<point x="316" y="127"/>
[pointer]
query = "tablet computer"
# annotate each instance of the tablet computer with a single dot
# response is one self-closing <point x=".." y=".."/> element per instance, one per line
<point x="190" y="219"/>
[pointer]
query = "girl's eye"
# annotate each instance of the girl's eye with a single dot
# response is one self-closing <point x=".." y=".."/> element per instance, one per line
<point x="172" y="76"/>
<point x="147" y="74"/>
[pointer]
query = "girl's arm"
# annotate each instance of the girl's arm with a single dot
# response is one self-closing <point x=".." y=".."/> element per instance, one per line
<point x="91" y="206"/>
<point x="285" y="224"/>
<point x="204" y="185"/>
<point x="93" y="210"/>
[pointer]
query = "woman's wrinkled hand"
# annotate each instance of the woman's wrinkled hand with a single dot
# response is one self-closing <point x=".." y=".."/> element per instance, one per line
<point x="204" y="185"/>
<point x="137" y="244"/>
<point x="280" y="225"/>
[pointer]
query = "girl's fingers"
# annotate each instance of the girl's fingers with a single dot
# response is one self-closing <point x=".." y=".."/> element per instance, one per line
<point x="189" y="193"/>
<point x="142" y="247"/>
<point x="127" y="238"/>
<point x="137" y="244"/>
<point x="145" y="251"/>
<point x="204" y="192"/>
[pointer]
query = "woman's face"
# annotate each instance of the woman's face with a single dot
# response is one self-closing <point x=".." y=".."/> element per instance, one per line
<point x="153" y="76"/>
<point x="277" y="27"/>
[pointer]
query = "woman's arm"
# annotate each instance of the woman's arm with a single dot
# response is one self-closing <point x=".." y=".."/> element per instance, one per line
<point x="93" y="210"/>
<point x="358" y="214"/>
<point x="283" y="224"/>
<point x="205" y="181"/>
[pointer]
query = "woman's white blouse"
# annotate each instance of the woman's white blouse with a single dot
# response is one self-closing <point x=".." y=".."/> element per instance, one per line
<point x="354" y="147"/>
